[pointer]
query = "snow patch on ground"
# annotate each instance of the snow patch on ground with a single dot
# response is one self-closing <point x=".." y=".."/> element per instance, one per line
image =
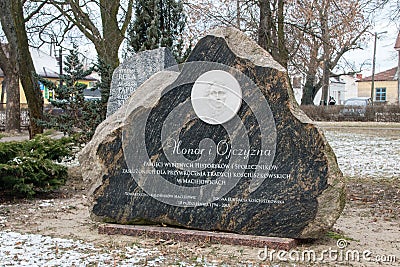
<point x="374" y="155"/>
<point x="37" y="250"/>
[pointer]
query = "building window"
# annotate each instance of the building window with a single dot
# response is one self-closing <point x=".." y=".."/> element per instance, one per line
<point x="92" y="84"/>
<point x="380" y="94"/>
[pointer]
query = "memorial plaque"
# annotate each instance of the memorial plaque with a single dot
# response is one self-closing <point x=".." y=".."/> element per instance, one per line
<point x="133" y="72"/>
<point x="216" y="97"/>
<point x="220" y="146"/>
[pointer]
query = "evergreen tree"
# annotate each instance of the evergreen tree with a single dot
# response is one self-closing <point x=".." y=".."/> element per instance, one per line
<point x="158" y="23"/>
<point x="78" y="116"/>
<point x="105" y="71"/>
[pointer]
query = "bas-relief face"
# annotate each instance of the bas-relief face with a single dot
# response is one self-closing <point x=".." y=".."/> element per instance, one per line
<point x="216" y="97"/>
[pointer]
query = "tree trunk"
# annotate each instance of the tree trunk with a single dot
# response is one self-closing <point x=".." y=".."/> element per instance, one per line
<point x="271" y="30"/>
<point x="107" y="47"/>
<point x="265" y="25"/>
<point x="10" y="85"/>
<point x="310" y="87"/>
<point x="283" y="52"/>
<point x="238" y="14"/>
<point x="27" y="70"/>
<point x="325" y="83"/>
<point x="326" y="51"/>
<point x="309" y="90"/>
<point x="3" y="92"/>
<point x="13" y="111"/>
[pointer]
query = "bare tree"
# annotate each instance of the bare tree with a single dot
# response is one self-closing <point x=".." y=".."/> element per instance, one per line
<point x="107" y="34"/>
<point x="389" y="7"/>
<point x="204" y="15"/>
<point x="12" y="17"/>
<point x="327" y="30"/>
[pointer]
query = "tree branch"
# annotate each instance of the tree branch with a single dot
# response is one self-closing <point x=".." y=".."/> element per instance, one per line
<point x="128" y="17"/>
<point x="33" y="13"/>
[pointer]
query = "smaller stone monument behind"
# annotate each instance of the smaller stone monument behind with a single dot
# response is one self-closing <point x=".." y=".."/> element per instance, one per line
<point x="135" y="71"/>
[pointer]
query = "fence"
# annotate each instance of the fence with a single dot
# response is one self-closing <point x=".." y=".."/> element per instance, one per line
<point x="24" y="119"/>
<point x="380" y="113"/>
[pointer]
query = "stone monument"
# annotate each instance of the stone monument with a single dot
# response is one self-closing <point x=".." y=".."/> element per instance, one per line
<point x="220" y="146"/>
<point x="133" y="72"/>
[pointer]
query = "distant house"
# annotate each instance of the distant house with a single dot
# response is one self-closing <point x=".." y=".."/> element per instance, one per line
<point x="340" y="88"/>
<point x="386" y="83"/>
<point x="385" y="87"/>
<point x="47" y="67"/>
<point x="350" y="87"/>
<point x="337" y="89"/>
<point x="297" y="85"/>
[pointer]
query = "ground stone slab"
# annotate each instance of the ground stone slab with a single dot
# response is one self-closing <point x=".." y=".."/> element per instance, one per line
<point x="194" y="236"/>
<point x="135" y="71"/>
<point x="268" y="171"/>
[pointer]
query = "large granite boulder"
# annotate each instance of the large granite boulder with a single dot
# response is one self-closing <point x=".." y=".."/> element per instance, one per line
<point x="184" y="151"/>
<point x="135" y="71"/>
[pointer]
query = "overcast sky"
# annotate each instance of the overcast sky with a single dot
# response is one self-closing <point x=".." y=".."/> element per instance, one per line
<point x="386" y="56"/>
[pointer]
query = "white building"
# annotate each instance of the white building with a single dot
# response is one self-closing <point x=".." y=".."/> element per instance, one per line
<point x="340" y="88"/>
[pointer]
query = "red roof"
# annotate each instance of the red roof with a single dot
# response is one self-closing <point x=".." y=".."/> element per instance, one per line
<point x="397" y="44"/>
<point x="387" y="75"/>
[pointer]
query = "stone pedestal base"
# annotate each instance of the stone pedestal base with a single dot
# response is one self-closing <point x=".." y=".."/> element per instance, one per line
<point x="185" y="235"/>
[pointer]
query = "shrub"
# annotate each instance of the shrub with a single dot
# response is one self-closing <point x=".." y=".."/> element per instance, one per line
<point x="28" y="167"/>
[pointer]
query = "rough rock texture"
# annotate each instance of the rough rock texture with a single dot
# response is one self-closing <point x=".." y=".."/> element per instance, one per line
<point x="300" y="196"/>
<point x="135" y="71"/>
